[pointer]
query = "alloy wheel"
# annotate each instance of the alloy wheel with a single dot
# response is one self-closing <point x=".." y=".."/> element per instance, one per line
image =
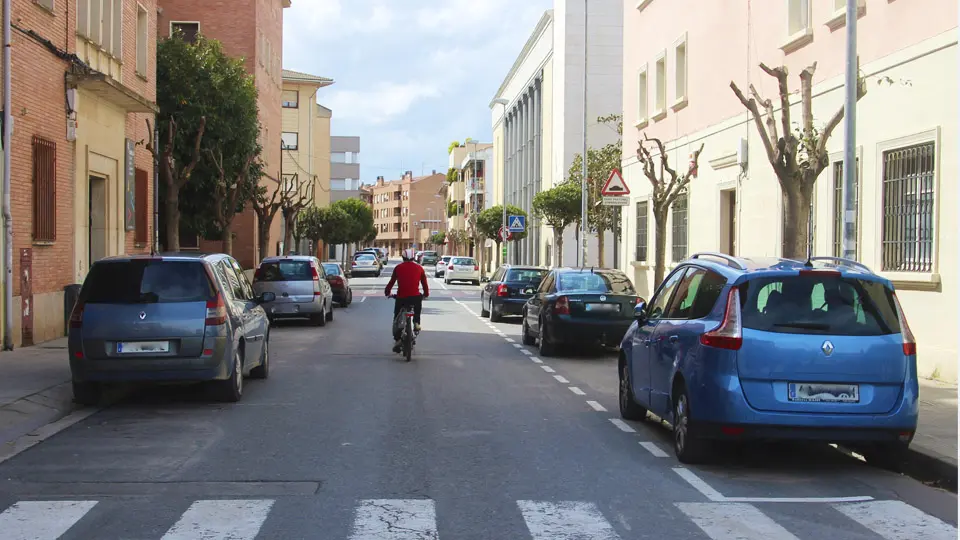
<point x="238" y="372"/>
<point x="681" y="421"/>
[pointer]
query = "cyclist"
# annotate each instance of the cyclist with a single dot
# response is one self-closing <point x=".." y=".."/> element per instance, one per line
<point x="409" y="277"/>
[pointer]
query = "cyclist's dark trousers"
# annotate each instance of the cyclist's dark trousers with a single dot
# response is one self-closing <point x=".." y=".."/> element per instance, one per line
<point x="399" y="304"/>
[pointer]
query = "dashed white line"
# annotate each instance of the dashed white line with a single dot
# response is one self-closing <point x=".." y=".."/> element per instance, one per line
<point x="363" y="299"/>
<point x="561" y="379"/>
<point x="536" y="360"/>
<point x="511" y="340"/>
<point x="653" y="449"/>
<point x="577" y="391"/>
<point x="526" y="352"/>
<point x="622" y="425"/>
<point x="596" y="406"/>
<point x="517" y="345"/>
<point x="548" y="369"/>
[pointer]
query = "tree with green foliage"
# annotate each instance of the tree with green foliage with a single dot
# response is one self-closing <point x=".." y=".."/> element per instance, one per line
<point x="600" y="163"/>
<point x="359" y="224"/>
<point x="454" y="144"/>
<point x="558" y="207"/>
<point x="310" y="225"/>
<point x="490" y="220"/>
<point x="453" y="175"/>
<point x="437" y="239"/>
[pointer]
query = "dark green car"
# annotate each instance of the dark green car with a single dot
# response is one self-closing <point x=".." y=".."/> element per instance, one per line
<point x="429" y="258"/>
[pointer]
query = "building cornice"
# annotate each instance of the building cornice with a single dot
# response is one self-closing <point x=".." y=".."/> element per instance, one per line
<point x="525" y="52"/>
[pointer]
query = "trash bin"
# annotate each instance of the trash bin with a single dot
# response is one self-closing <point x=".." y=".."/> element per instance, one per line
<point x="70" y="295"/>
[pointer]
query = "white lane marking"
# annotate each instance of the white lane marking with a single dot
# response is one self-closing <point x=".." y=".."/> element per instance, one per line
<point x="526" y="352"/>
<point x="566" y="520"/>
<point x="518" y="346"/>
<point x="577" y="391"/>
<point x="736" y="521"/>
<point x="653" y="449"/>
<point x="42" y="520"/>
<point x="596" y="406"/>
<point x="548" y="369"/>
<point x="221" y="519"/>
<point x="699" y="484"/>
<point x="897" y="520"/>
<point x="511" y="340"/>
<point x="536" y="360"/>
<point x="622" y="425"/>
<point x="395" y="519"/>
<point x="363" y="299"/>
<point x="561" y="379"/>
<point x="441" y="283"/>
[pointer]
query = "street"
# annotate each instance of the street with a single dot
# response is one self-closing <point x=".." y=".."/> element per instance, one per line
<point x="476" y="438"/>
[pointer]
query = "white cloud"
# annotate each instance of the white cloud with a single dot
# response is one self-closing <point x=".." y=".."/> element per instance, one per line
<point x="328" y="20"/>
<point x="381" y="104"/>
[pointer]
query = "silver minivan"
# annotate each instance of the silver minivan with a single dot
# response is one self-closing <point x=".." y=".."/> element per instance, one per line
<point x="301" y="288"/>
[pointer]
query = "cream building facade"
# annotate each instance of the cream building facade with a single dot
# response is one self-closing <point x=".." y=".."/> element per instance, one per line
<point x="676" y="77"/>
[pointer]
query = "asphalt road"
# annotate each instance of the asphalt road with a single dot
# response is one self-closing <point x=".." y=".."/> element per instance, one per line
<point x="476" y="438"/>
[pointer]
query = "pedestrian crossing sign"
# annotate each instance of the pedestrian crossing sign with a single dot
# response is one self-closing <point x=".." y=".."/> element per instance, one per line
<point x="517" y="224"/>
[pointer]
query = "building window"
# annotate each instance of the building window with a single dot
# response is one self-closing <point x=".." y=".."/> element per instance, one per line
<point x="642" y="97"/>
<point x="101" y="22"/>
<point x="291" y="99"/>
<point x="680" y="227"/>
<point x="142" y="193"/>
<point x="142" y="42"/>
<point x="680" y="71"/>
<point x="642" y="224"/>
<point x="44" y="190"/>
<point x="189" y="30"/>
<point x="289" y="140"/>
<point x="908" y="208"/>
<point x="46" y="4"/>
<point x="661" y="90"/>
<point x="338" y="157"/>
<point x="798" y="17"/>
<point x="338" y="184"/>
<point x="838" y="207"/>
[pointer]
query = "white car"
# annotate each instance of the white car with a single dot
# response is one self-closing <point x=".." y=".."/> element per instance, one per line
<point x="441" y="267"/>
<point x="462" y="269"/>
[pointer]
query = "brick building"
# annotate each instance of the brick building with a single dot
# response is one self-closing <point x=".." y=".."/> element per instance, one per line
<point x="252" y="30"/>
<point x="83" y="84"/>
<point x="402" y="207"/>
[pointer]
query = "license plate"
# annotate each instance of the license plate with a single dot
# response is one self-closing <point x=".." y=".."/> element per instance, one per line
<point x="823" y="393"/>
<point x="528" y="291"/>
<point x="603" y="307"/>
<point x="464" y="268"/>
<point x="128" y="347"/>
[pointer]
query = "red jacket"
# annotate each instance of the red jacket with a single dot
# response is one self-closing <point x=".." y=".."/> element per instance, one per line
<point x="408" y="276"/>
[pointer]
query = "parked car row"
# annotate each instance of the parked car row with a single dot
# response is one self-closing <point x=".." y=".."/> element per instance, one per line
<point x="191" y="318"/>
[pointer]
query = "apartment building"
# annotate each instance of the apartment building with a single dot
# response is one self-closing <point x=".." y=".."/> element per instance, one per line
<point x="344" y="167"/>
<point x="83" y="86"/>
<point x="402" y="207"/>
<point x="466" y="194"/>
<point x="539" y="130"/>
<point x="677" y="72"/>
<point x="252" y="30"/>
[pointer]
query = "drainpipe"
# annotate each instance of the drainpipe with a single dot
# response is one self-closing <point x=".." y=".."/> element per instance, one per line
<point x="156" y="191"/>
<point x="7" y="215"/>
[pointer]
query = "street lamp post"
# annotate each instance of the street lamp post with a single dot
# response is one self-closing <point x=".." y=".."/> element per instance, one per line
<point x="850" y="135"/>
<point x="584" y="193"/>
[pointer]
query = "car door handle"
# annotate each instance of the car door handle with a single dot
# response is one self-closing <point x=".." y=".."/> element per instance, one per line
<point x="674" y="339"/>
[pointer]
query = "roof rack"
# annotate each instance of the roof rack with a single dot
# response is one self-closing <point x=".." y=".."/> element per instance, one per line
<point x="845" y="262"/>
<point x="731" y="261"/>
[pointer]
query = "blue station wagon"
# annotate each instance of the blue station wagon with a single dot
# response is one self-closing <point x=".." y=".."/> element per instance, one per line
<point x="169" y="318"/>
<point x="736" y="349"/>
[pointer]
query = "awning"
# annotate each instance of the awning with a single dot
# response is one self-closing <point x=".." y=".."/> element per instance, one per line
<point x="109" y="89"/>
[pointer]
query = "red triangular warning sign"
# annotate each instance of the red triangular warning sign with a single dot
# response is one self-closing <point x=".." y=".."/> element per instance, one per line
<point x="615" y="185"/>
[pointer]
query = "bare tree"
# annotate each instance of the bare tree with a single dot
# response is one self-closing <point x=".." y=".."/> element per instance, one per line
<point x="173" y="176"/>
<point x="292" y="202"/>
<point x="266" y="209"/>
<point x="799" y="155"/>
<point x="667" y="186"/>
<point x="225" y="196"/>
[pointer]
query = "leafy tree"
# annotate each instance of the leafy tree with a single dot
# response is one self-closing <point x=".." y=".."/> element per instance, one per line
<point x="310" y="225"/>
<point x="453" y="175"/>
<point x="799" y="155"/>
<point x="438" y="238"/>
<point x="358" y="227"/>
<point x="454" y="144"/>
<point x="490" y="220"/>
<point x="558" y="207"/>
<point x="600" y="163"/>
<point x="667" y="186"/>
<point x="230" y="194"/>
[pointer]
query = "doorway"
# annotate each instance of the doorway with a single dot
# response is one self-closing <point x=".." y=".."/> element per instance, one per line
<point x="97" y="240"/>
<point x="728" y="221"/>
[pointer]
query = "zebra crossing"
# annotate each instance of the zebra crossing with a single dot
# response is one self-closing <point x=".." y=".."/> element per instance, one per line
<point x="416" y="519"/>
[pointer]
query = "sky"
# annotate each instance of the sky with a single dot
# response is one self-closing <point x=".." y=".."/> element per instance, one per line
<point x="411" y="76"/>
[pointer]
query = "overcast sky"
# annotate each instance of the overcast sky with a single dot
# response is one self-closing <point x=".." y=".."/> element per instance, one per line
<point x="411" y="75"/>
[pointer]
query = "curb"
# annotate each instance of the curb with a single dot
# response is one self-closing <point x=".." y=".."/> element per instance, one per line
<point x="929" y="468"/>
<point x="30" y="414"/>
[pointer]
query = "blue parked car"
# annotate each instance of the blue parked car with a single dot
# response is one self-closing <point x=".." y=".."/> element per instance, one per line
<point x="732" y="349"/>
<point x="169" y="318"/>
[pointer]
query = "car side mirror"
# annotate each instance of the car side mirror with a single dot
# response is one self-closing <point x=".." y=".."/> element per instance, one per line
<point x="640" y="311"/>
<point x="266" y="298"/>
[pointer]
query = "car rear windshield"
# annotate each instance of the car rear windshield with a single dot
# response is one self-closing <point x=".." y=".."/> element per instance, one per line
<point x="285" y="271"/>
<point x="366" y="257"/>
<point x="525" y="275"/>
<point x="332" y="269"/>
<point x="596" y="282"/>
<point x="463" y="261"/>
<point x="819" y="304"/>
<point x="147" y="282"/>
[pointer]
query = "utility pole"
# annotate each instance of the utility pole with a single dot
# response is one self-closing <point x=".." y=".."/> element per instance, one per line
<point x="850" y="136"/>
<point x="584" y="193"/>
<point x="7" y="212"/>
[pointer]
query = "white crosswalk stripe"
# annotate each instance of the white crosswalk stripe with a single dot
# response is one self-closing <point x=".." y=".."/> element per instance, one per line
<point x="416" y="519"/>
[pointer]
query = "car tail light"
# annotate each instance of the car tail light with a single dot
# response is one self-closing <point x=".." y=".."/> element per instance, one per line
<point x="313" y="271"/>
<point x="76" y="316"/>
<point x="258" y="274"/>
<point x="729" y="335"/>
<point x="337" y="280"/>
<point x="820" y="273"/>
<point x="502" y="290"/>
<point x="354" y="263"/>
<point x="637" y="302"/>
<point x="216" y="311"/>
<point x="562" y="306"/>
<point x="450" y="267"/>
<point x="476" y="267"/>
<point x="909" y="341"/>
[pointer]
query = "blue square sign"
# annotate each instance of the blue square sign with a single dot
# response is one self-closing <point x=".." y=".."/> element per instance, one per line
<point x="517" y="223"/>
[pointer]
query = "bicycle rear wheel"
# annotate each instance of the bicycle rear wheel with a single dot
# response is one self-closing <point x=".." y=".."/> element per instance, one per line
<point x="407" y="339"/>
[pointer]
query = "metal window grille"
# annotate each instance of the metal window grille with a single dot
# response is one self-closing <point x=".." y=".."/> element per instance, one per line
<point x="908" y="208"/>
<point x="642" y="224"/>
<point x="680" y="227"/>
<point x="44" y="190"/>
<point x="838" y="208"/>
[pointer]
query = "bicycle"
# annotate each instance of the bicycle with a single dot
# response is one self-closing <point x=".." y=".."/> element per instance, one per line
<point x="408" y="337"/>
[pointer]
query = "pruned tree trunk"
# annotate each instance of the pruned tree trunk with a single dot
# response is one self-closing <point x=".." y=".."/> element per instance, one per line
<point x="660" y="245"/>
<point x="796" y="216"/>
<point x="263" y="238"/>
<point x="558" y="241"/>
<point x="226" y="238"/>
<point x="601" y="242"/>
<point x="174" y="178"/>
<point x="171" y="209"/>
